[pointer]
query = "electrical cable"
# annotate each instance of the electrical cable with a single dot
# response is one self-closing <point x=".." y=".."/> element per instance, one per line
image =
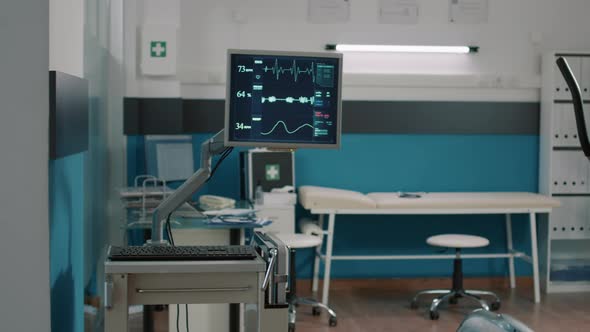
<point x="224" y="155"/>
<point x="169" y="229"/>
<point x="177" y="318"/>
<point x="186" y="316"/>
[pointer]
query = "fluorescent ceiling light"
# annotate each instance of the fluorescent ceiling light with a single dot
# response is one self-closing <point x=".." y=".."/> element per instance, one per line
<point x="402" y="48"/>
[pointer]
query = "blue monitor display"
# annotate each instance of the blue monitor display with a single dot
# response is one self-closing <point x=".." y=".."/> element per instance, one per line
<point x="283" y="99"/>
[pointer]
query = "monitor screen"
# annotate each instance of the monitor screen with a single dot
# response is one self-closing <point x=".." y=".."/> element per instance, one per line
<point x="283" y="99"/>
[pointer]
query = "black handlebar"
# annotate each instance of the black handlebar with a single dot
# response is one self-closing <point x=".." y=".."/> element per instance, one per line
<point x="578" y="104"/>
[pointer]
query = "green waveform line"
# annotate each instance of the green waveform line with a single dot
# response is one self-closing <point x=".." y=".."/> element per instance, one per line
<point x="286" y="129"/>
<point x="289" y="100"/>
<point x="294" y="70"/>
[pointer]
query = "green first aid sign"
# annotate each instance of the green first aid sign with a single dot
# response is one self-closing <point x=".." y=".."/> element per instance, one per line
<point x="158" y="49"/>
<point x="273" y="172"/>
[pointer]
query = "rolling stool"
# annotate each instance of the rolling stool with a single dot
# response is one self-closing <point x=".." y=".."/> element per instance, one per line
<point x="458" y="242"/>
<point x="300" y="241"/>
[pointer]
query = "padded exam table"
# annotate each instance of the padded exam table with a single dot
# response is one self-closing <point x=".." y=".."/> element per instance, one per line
<point x="331" y="202"/>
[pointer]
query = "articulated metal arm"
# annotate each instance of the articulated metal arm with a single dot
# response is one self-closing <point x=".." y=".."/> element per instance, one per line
<point x="209" y="148"/>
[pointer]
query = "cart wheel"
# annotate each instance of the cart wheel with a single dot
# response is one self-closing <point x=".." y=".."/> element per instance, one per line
<point x="495" y="306"/>
<point x="316" y="311"/>
<point x="333" y="321"/>
<point x="434" y="315"/>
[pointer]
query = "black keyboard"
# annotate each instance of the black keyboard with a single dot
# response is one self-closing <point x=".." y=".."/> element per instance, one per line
<point x="182" y="253"/>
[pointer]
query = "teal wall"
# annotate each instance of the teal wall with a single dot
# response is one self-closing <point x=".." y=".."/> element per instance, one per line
<point x="387" y="162"/>
<point x="66" y="206"/>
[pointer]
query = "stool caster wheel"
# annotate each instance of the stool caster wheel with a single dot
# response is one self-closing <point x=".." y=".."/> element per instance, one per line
<point x="434" y="315"/>
<point x="316" y="311"/>
<point x="414" y="305"/>
<point x="495" y="306"/>
<point x="333" y="321"/>
<point x="291" y="327"/>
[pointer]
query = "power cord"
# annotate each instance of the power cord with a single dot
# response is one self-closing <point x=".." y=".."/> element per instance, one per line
<point x="171" y="238"/>
<point x="169" y="231"/>
<point x="177" y="318"/>
<point x="224" y="155"/>
<point x="186" y="310"/>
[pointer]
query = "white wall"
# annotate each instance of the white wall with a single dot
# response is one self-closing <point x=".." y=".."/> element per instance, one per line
<point x="24" y="128"/>
<point x="66" y="36"/>
<point x="116" y="141"/>
<point x="506" y="68"/>
<point x="138" y="13"/>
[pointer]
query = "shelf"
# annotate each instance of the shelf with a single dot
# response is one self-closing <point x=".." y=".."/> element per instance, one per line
<point x="564" y="173"/>
<point x="570" y="270"/>
<point x="567" y="148"/>
<point x="572" y="195"/>
<point x="568" y="287"/>
<point x="579" y="55"/>
<point x="567" y="101"/>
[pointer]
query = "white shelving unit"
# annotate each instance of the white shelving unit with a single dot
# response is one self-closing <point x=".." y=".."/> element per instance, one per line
<point x="564" y="174"/>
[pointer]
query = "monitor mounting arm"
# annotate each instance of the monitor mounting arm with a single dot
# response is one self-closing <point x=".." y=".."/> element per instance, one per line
<point x="209" y="148"/>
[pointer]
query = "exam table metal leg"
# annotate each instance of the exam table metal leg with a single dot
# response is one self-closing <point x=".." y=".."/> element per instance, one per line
<point x="535" y="257"/>
<point x="328" y="260"/>
<point x="116" y="314"/>
<point x="510" y="248"/>
<point x="316" y="263"/>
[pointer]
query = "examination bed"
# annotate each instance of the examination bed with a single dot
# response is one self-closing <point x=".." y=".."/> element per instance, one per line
<point x="330" y="202"/>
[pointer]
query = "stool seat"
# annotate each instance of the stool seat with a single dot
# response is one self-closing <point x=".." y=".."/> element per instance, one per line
<point x="299" y="241"/>
<point x="457" y="241"/>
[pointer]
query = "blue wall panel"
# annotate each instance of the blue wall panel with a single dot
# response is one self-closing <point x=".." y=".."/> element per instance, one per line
<point x="387" y="162"/>
<point x="66" y="194"/>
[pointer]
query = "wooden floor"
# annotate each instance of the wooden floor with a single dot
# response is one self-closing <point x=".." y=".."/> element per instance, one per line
<point x="383" y="305"/>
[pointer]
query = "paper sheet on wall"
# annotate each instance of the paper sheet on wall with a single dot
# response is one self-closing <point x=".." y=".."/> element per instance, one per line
<point x="468" y="11"/>
<point x="328" y="11"/>
<point x="175" y="161"/>
<point x="398" y="11"/>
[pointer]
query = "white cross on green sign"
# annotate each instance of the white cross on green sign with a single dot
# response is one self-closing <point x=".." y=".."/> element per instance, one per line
<point x="273" y="172"/>
<point x="158" y="49"/>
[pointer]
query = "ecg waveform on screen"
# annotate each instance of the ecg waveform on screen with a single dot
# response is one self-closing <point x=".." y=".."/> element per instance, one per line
<point x="293" y="70"/>
<point x="289" y="100"/>
<point x="290" y="132"/>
